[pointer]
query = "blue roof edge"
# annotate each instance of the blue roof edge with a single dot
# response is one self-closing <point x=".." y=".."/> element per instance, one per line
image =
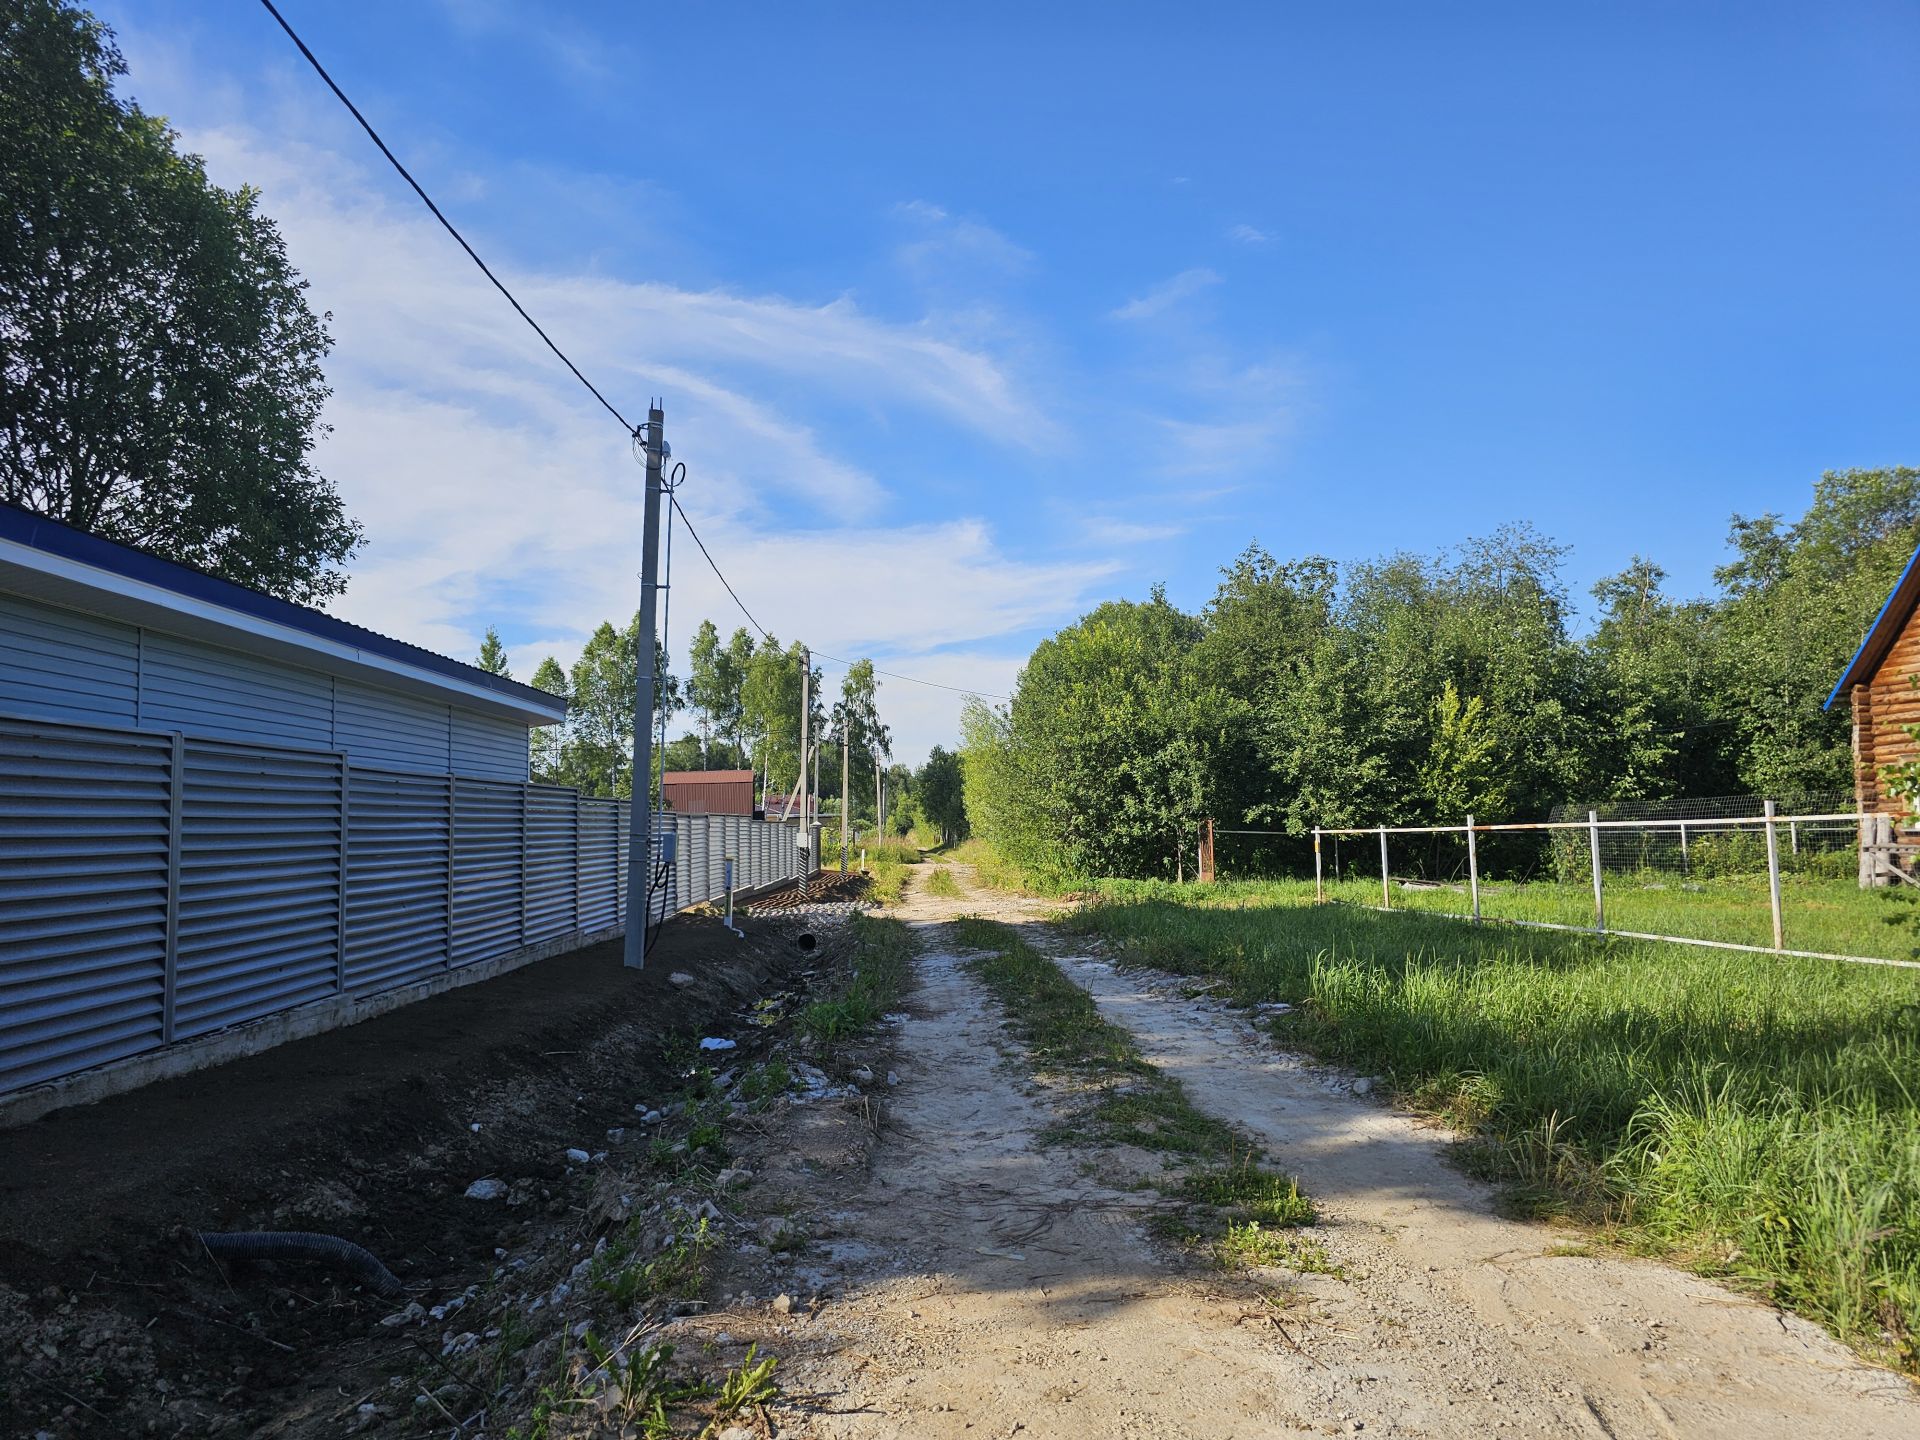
<point x="1847" y="675"/>
<point x="56" y="537"/>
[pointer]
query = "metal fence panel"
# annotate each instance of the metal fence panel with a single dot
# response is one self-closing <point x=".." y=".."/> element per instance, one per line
<point x="84" y="822"/>
<point x="397" y="868"/>
<point x="552" y="899"/>
<point x="259" y="897"/>
<point x="487" y="842"/>
<point x="600" y="874"/>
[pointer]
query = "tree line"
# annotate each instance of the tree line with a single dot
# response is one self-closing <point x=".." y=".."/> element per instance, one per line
<point x="1416" y="689"/>
<point x="743" y="698"/>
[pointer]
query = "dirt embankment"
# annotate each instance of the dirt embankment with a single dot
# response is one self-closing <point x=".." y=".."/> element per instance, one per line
<point x="114" y="1322"/>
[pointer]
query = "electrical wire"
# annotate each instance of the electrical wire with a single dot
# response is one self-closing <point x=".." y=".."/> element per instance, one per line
<point x="594" y="390"/>
<point x="447" y="224"/>
<point x="766" y="634"/>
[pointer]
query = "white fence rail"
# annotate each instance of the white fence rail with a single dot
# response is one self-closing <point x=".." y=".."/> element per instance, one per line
<point x="1874" y="832"/>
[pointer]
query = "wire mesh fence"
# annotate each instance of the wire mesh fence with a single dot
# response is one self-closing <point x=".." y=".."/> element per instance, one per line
<point x="1731" y="872"/>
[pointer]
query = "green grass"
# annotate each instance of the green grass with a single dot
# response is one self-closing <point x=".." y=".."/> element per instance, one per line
<point x="887" y="862"/>
<point x="1222" y="1189"/>
<point x="996" y="873"/>
<point x="1757" y="1116"/>
<point x="876" y="978"/>
<point x="941" y="882"/>
<point x="1825" y="913"/>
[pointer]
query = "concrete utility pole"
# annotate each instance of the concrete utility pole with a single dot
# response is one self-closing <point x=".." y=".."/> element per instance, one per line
<point x="640" y="834"/>
<point x="879" y="805"/>
<point x="844" y="797"/>
<point x="806" y="713"/>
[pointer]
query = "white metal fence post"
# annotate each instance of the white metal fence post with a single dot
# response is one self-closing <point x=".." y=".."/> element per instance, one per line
<point x="1593" y="847"/>
<point x="1683" y="849"/>
<point x="1319" y="887"/>
<point x="1473" y="869"/>
<point x="1773" y="879"/>
<point x="1386" y="893"/>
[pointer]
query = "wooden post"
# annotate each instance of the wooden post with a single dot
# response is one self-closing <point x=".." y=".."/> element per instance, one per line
<point x="1319" y="888"/>
<point x="1386" y="894"/>
<point x="1593" y="848"/>
<point x="1473" y="869"/>
<point x="1773" y="879"/>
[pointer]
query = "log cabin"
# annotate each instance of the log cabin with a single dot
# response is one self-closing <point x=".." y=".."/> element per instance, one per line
<point x="1880" y="688"/>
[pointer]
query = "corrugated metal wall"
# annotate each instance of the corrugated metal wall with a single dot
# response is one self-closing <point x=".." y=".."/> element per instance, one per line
<point x="60" y="665"/>
<point x="155" y="888"/>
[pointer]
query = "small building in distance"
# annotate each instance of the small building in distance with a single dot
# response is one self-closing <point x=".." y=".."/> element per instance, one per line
<point x="708" y="792"/>
<point x="1879" y="688"/>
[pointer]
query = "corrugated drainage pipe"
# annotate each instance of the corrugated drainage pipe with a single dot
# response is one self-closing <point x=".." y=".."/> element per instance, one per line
<point x="303" y="1245"/>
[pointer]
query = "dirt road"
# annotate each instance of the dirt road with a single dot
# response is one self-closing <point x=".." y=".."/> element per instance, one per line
<point x="989" y="1284"/>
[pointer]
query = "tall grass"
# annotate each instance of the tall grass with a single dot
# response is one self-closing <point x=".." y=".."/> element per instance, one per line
<point x="1758" y="1116"/>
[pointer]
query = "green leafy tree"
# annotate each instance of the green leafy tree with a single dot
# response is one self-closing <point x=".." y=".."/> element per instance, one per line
<point x="160" y="367"/>
<point x="548" y="742"/>
<point x="493" y="655"/>
<point x="856" y="718"/>
<point x="597" y="756"/>
<point x="940" y="791"/>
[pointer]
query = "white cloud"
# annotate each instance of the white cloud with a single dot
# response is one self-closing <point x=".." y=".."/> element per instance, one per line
<point x="1168" y="294"/>
<point x="1248" y="235"/>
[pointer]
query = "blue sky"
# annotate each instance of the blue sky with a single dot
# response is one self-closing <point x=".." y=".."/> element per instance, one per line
<point x="967" y="317"/>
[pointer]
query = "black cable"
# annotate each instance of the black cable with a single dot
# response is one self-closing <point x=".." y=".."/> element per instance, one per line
<point x="765" y="634"/>
<point x="427" y="200"/>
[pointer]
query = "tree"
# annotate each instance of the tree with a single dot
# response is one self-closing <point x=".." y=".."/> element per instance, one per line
<point x="940" y="793"/>
<point x="598" y="754"/>
<point x="770" y="708"/>
<point x="160" y="367"/>
<point x="856" y="718"/>
<point x="548" y="742"/>
<point x="493" y="655"/>
<point x="715" y="676"/>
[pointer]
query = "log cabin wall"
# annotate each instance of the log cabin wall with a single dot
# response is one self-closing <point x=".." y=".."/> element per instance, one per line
<point x="1880" y="707"/>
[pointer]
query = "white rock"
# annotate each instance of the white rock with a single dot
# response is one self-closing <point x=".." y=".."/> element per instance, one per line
<point x="863" y="1075"/>
<point x="783" y="1304"/>
<point x="892" y="1078"/>
<point x="617" y="1134"/>
<point x="1363" y="1086"/>
<point x="487" y="1189"/>
<point x="578" y="1157"/>
<point x="680" y="977"/>
<point x="712" y="1043"/>
<point x="731" y="1176"/>
<point x="413" y="1314"/>
<point x="474" y="1127"/>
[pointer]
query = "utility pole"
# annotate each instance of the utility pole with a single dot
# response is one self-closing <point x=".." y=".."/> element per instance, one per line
<point x="640" y="835"/>
<point x="806" y="713"/>
<point x="879" y="806"/>
<point x="844" y="795"/>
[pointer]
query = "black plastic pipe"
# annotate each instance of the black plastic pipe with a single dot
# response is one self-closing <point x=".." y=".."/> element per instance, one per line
<point x="304" y="1245"/>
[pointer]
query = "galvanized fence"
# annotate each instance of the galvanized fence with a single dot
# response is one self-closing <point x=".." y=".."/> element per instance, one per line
<point x="156" y="888"/>
<point x="1570" y="891"/>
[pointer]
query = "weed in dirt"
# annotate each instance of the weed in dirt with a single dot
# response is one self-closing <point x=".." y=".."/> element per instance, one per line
<point x="748" y="1384"/>
<point x="677" y="1271"/>
<point x="875" y="981"/>
<point x="1231" y="1203"/>
<point x="941" y="882"/>
<point x="766" y="1082"/>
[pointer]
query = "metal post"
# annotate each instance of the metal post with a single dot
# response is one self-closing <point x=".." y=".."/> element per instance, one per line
<point x="1793" y="836"/>
<point x="1593" y="851"/>
<point x="1319" y="885"/>
<point x="176" y="837"/>
<point x="640" y="819"/>
<point x="846" y="795"/>
<point x="1683" y="849"/>
<point x="1773" y="879"/>
<point x="1386" y="893"/>
<point x="1473" y="869"/>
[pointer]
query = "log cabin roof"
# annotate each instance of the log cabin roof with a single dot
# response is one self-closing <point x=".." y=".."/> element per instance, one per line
<point x="1886" y="628"/>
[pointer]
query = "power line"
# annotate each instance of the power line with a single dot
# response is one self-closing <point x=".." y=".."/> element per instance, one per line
<point x="521" y="310"/>
<point x="427" y="200"/>
<point x="766" y="634"/>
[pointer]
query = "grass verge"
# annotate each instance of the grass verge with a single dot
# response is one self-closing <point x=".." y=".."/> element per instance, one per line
<point x="1754" y="1116"/>
<point x="1221" y="1198"/>
<point x="872" y="985"/>
<point x="941" y="882"/>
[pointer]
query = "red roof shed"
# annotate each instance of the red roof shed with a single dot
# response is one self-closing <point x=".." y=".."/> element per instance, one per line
<point x="708" y="792"/>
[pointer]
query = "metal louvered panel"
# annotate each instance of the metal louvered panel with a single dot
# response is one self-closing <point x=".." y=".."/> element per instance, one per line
<point x="600" y="875"/>
<point x="396" y="878"/>
<point x="212" y="693"/>
<point x="84" y="823"/>
<point x="64" y="666"/>
<point x="551" y="897"/>
<point x="384" y="729"/>
<point x="489" y="747"/>
<point x="486" y="869"/>
<point x="259" y="882"/>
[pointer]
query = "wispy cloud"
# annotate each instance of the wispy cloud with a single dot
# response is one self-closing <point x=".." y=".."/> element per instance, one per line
<point x="1247" y="235"/>
<point x="1168" y="294"/>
